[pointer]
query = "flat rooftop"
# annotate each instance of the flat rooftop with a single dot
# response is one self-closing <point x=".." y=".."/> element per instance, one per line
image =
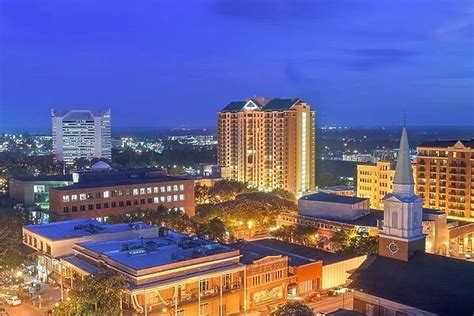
<point x="297" y="254"/>
<point x="143" y="253"/>
<point x="332" y="198"/>
<point x="45" y="178"/>
<point x="80" y="228"/>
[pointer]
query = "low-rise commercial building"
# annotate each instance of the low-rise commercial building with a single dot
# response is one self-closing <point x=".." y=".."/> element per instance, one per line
<point x="34" y="190"/>
<point x="103" y="191"/>
<point x="55" y="240"/>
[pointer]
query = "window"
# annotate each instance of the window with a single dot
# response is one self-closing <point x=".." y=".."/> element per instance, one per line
<point x="82" y="196"/>
<point x="181" y="187"/>
<point x="395" y="219"/>
<point x="256" y="280"/>
<point x="66" y="209"/>
<point x="168" y="198"/>
<point x="74" y="197"/>
<point x="129" y="203"/>
<point x="41" y="245"/>
<point x="162" y="189"/>
<point x="48" y="249"/>
<point x="175" y="198"/>
<point x="181" y="197"/>
<point x="156" y="200"/>
<point x="65" y="198"/>
<point x="142" y="201"/>
<point x="162" y="198"/>
<point x="155" y="189"/>
<point x="74" y="208"/>
<point x="168" y="188"/>
<point x="149" y="200"/>
<point x="106" y="205"/>
<point x="106" y="194"/>
<point x="175" y="187"/>
<point x="135" y="202"/>
<point x="98" y="195"/>
<point x="90" y="207"/>
<point x="121" y="203"/>
<point x="148" y="190"/>
<point x="142" y="190"/>
<point x="98" y="206"/>
<point x="267" y="277"/>
<point x="82" y="207"/>
<point x="135" y="191"/>
<point x="114" y="204"/>
<point x="204" y="285"/>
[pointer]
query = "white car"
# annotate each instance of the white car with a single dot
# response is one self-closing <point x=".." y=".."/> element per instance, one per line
<point x="339" y="290"/>
<point x="13" y="301"/>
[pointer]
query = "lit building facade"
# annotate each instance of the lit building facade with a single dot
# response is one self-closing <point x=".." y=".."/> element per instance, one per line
<point x="445" y="176"/>
<point x="374" y="181"/>
<point x="268" y="143"/>
<point x="81" y="134"/>
<point x="102" y="191"/>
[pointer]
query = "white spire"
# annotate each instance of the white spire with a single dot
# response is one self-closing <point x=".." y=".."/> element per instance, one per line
<point x="403" y="171"/>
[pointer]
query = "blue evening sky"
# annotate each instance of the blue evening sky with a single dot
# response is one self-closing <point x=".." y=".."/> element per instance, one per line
<point x="168" y="63"/>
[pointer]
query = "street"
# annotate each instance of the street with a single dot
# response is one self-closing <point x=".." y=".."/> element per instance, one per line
<point x="24" y="310"/>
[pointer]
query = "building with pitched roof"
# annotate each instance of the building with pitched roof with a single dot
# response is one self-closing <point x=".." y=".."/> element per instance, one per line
<point x="81" y="134"/>
<point x="403" y="279"/>
<point x="268" y="143"/>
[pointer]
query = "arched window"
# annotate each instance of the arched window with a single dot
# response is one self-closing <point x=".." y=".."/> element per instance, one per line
<point x="395" y="219"/>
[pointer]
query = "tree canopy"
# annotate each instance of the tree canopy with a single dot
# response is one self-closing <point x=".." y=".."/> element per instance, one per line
<point x="293" y="309"/>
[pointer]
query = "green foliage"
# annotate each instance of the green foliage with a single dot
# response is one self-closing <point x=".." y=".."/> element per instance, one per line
<point x="11" y="237"/>
<point x="299" y="234"/>
<point x="214" y="229"/>
<point x="221" y="191"/>
<point x="284" y="194"/>
<point x="349" y="240"/>
<point x="293" y="309"/>
<point x="96" y="294"/>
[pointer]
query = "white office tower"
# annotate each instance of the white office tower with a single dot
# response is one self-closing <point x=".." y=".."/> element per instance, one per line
<point x="81" y="134"/>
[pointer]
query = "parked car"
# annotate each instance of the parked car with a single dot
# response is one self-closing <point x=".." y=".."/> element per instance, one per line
<point x="339" y="290"/>
<point x="13" y="301"/>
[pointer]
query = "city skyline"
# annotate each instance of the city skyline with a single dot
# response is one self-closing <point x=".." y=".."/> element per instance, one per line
<point x="346" y="59"/>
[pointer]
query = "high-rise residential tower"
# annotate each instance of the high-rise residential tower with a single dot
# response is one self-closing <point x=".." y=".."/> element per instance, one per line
<point x="81" y="134"/>
<point x="268" y="143"/>
<point x="445" y="176"/>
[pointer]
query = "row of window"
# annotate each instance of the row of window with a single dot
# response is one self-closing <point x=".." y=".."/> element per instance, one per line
<point x="114" y="193"/>
<point x="267" y="277"/>
<point x="106" y="205"/>
<point x="34" y="243"/>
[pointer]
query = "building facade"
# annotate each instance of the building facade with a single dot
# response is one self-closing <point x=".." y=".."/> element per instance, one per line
<point x="102" y="192"/>
<point x="268" y="143"/>
<point x="374" y="181"/>
<point x="445" y="176"/>
<point x="81" y="134"/>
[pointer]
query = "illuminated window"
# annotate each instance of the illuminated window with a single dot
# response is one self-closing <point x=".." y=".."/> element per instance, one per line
<point x="106" y="194"/>
<point x="65" y="198"/>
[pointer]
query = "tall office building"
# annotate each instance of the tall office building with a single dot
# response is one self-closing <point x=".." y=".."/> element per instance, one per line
<point x="268" y="143"/>
<point x="81" y="134"/>
<point x="445" y="176"/>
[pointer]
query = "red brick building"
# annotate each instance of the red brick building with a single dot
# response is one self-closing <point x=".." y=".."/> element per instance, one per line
<point x="102" y="193"/>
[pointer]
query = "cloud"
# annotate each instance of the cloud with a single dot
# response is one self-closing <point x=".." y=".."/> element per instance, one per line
<point x="372" y="58"/>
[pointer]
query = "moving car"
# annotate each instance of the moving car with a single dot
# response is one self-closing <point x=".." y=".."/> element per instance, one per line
<point x="13" y="301"/>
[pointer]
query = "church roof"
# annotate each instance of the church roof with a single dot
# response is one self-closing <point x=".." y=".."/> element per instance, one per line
<point x="403" y="171"/>
<point x="428" y="282"/>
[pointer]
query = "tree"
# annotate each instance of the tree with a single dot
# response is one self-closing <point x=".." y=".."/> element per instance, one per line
<point x="284" y="194"/>
<point x="201" y="194"/>
<point x="96" y="294"/>
<point x="340" y="239"/>
<point x="214" y="229"/>
<point x="293" y="309"/>
<point x="350" y="240"/>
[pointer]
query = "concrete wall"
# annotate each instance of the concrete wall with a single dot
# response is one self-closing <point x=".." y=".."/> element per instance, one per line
<point x="338" y="273"/>
<point x="332" y="210"/>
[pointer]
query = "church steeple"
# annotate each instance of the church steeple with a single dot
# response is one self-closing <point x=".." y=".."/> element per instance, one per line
<point x="403" y="211"/>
